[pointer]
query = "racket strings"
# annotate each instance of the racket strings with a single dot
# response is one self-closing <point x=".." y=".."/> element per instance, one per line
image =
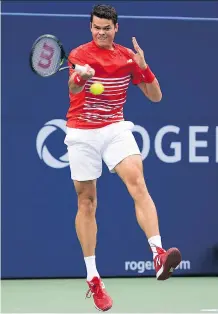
<point x="46" y="57"/>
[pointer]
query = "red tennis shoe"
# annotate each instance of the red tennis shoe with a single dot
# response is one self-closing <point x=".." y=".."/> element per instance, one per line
<point x="102" y="300"/>
<point x="165" y="262"/>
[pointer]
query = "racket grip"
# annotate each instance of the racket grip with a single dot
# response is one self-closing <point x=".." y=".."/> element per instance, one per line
<point x="80" y="68"/>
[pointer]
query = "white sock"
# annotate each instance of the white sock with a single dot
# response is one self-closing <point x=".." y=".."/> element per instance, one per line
<point x="155" y="241"/>
<point x="91" y="268"/>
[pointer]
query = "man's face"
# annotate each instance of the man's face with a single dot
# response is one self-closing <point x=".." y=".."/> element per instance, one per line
<point x="103" y="32"/>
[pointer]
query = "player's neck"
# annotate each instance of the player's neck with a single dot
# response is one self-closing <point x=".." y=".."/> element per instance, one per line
<point x="109" y="47"/>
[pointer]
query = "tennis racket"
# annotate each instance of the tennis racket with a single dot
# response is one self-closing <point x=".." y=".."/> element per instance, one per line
<point x="47" y="57"/>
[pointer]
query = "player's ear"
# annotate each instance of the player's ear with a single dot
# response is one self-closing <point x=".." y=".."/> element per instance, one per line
<point x="90" y="25"/>
<point x="116" y="27"/>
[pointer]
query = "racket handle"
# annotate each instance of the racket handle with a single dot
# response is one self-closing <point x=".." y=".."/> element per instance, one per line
<point x="76" y="67"/>
<point x="80" y="68"/>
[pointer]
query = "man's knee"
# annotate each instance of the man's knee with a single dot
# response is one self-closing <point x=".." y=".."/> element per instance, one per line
<point x="136" y="185"/>
<point x="87" y="204"/>
<point x="87" y="200"/>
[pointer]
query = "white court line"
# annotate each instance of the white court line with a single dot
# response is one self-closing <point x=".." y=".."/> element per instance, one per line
<point x="120" y="313"/>
<point x="144" y="17"/>
<point x="209" y="310"/>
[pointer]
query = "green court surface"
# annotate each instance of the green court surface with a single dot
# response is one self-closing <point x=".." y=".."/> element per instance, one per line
<point x="130" y="295"/>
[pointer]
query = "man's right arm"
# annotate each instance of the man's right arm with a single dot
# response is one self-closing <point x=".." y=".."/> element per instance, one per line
<point x="77" y="80"/>
<point x="73" y="87"/>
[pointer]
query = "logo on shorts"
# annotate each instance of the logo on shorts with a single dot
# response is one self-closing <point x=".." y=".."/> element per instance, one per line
<point x="43" y="152"/>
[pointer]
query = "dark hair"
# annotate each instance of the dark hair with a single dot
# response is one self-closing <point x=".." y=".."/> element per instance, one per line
<point x="104" y="11"/>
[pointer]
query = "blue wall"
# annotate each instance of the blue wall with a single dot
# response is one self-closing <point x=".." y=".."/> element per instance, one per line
<point x="39" y="201"/>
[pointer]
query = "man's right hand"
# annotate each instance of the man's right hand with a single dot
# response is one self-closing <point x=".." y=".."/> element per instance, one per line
<point x="84" y="76"/>
<point x="89" y="73"/>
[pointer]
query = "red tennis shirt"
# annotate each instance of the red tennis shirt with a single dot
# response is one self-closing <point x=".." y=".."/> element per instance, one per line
<point x="115" y="69"/>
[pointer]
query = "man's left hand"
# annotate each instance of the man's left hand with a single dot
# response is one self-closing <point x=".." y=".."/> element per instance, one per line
<point x="139" y="55"/>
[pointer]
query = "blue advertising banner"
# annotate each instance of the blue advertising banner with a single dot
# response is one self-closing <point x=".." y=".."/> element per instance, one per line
<point x="178" y="138"/>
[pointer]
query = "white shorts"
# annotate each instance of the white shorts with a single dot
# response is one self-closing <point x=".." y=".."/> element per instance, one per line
<point x="88" y="147"/>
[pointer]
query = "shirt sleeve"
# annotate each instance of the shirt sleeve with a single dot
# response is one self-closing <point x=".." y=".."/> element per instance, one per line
<point x="76" y="57"/>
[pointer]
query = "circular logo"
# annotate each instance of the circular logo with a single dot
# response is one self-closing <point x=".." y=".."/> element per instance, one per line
<point x="43" y="152"/>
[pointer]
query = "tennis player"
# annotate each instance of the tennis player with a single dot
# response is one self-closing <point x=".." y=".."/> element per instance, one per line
<point x="96" y="131"/>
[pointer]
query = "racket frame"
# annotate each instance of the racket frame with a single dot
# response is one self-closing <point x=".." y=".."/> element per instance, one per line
<point x="63" y="55"/>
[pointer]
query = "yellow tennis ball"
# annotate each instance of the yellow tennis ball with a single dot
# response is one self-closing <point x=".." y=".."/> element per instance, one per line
<point x="96" y="88"/>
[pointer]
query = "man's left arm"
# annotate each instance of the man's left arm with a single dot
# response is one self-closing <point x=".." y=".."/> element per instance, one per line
<point x="150" y="85"/>
<point x="151" y="90"/>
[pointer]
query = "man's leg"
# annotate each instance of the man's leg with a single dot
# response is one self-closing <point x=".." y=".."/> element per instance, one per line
<point x="86" y="227"/>
<point x="130" y="171"/>
<point x="86" y="166"/>
<point x="122" y="155"/>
